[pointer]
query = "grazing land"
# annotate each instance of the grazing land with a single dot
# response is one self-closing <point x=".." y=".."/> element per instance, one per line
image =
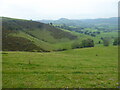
<point x="95" y="67"/>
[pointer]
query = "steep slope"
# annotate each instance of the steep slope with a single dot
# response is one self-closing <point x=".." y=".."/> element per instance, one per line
<point x="33" y="35"/>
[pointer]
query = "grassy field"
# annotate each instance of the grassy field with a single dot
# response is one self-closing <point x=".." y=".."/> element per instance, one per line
<point x="79" y="68"/>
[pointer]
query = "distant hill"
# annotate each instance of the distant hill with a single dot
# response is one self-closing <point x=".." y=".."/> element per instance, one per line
<point x="103" y="21"/>
<point x="87" y="23"/>
<point x="28" y="35"/>
<point x="62" y="21"/>
<point x="112" y="20"/>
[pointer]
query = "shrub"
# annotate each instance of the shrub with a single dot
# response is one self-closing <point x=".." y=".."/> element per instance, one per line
<point x="75" y="45"/>
<point x="116" y="41"/>
<point x="84" y="43"/>
<point x="88" y="43"/>
<point x="106" y="41"/>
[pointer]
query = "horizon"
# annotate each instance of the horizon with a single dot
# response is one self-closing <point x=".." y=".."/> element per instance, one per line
<point x="54" y="10"/>
<point x="60" y="18"/>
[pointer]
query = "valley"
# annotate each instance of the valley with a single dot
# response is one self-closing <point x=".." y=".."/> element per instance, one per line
<point x="68" y="53"/>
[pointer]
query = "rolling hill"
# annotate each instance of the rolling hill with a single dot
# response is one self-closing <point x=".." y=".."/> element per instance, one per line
<point x="107" y="21"/>
<point x="109" y="24"/>
<point x="28" y="35"/>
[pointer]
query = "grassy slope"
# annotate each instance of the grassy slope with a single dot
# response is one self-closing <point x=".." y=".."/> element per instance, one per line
<point x="62" y="44"/>
<point x="45" y="36"/>
<point x="38" y="42"/>
<point x="72" y="68"/>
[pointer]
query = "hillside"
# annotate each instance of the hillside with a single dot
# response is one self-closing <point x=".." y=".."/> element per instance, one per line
<point x="95" y="28"/>
<point x="30" y="35"/>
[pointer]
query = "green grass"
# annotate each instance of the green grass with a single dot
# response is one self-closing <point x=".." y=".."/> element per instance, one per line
<point x="63" y="43"/>
<point x="45" y="36"/>
<point x="38" y="42"/>
<point x="72" y="68"/>
<point x="108" y="34"/>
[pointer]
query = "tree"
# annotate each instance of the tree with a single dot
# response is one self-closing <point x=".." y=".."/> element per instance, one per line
<point x="99" y="42"/>
<point x="116" y="41"/>
<point x="76" y="45"/>
<point x="88" y="43"/>
<point x="51" y="24"/>
<point x="106" y="41"/>
<point x="84" y="43"/>
<point x="93" y="35"/>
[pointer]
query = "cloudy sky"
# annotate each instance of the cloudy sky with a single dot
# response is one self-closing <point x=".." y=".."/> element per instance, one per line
<point x="55" y="9"/>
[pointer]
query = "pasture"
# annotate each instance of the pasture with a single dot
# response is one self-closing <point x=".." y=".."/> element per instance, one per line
<point x="95" y="67"/>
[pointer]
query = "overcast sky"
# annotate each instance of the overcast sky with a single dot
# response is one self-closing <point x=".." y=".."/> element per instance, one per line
<point x="55" y="9"/>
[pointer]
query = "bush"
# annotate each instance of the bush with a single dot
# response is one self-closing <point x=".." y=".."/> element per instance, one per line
<point x="106" y="41"/>
<point x="76" y="45"/>
<point x="116" y="41"/>
<point x="60" y="49"/>
<point x="88" y="43"/>
<point x="85" y="43"/>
